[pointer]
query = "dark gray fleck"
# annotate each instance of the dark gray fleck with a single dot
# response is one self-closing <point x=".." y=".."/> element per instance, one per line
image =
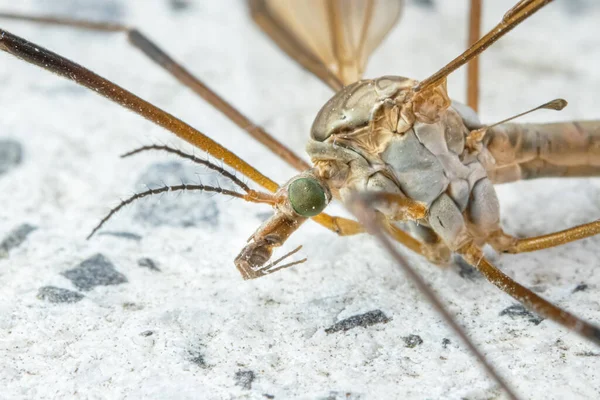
<point x="445" y="343"/>
<point x="197" y="358"/>
<point x="148" y="263"/>
<point x="587" y="354"/>
<point x="95" y="271"/>
<point x="580" y="288"/>
<point x="596" y="333"/>
<point x="412" y="341"/>
<point x="54" y="294"/>
<point x="177" y="209"/>
<point x="244" y="379"/>
<point x="179" y="5"/>
<point x="424" y="3"/>
<point x="107" y="10"/>
<point x="11" y="155"/>
<point x="363" y="320"/>
<point x="578" y="7"/>
<point x="124" y="235"/>
<point x="15" y="238"/>
<point x="268" y="396"/>
<point x="334" y="395"/>
<point x="131" y="306"/>
<point x="519" y="311"/>
<point x="147" y="333"/>
<point x="466" y="270"/>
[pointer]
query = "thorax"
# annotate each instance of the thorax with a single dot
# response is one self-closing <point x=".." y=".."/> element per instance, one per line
<point x="364" y="139"/>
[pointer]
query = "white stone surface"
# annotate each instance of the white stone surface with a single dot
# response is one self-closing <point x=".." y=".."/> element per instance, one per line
<point x="197" y="307"/>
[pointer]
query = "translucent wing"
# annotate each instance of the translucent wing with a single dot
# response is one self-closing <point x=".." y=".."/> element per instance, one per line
<point x="331" y="38"/>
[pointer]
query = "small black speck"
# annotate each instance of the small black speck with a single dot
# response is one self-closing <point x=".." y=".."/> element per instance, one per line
<point x="244" y="379"/>
<point x="466" y="270"/>
<point x="124" y="235"/>
<point x="519" y="311"/>
<point x="147" y="333"/>
<point x="445" y="343"/>
<point x="412" y="341"/>
<point x="363" y="320"/>
<point x="596" y="334"/>
<point x="95" y="271"/>
<point x="58" y="295"/>
<point x="580" y="288"/>
<point x="15" y="238"/>
<point x="197" y="358"/>
<point x="148" y="263"/>
<point x="268" y="396"/>
<point x="131" y="306"/>
<point x="335" y="395"/>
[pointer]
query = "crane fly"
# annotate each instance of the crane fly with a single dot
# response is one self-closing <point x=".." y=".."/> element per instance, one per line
<point x="394" y="106"/>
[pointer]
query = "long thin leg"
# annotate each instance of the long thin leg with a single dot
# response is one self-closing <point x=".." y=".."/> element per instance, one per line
<point x="510" y="244"/>
<point x="399" y="208"/>
<point x="43" y="58"/>
<point x="341" y="226"/>
<point x="368" y="216"/>
<point x="156" y="54"/>
<point x="473" y="66"/>
<point x="474" y="256"/>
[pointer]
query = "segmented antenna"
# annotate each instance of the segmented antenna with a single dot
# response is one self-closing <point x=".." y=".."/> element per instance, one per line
<point x="165" y="189"/>
<point x="361" y="209"/>
<point x="222" y="171"/>
<point x="250" y="195"/>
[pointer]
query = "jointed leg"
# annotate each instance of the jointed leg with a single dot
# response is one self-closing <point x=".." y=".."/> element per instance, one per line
<point x="152" y="51"/>
<point x="37" y="55"/>
<point x="473" y="65"/>
<point x="474" y="256"/>
<point x="396" y="207"/>
<point x="509" y="244"/>
<point x="362" y="209"/>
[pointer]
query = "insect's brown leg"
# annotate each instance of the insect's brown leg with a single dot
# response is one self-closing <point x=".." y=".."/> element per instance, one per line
<point x="400" y="208"/>
<point x="473" y="65"/>
<point x="43" y="58"/>
<point x="361" y="207"/>
<point x="156" y="54"/>
<point x="509" y="244"/>
<point x="474" y="256"/>
<point x="519" y="13"/>
<point x="341" y="226"/>
<point x="404" y="238"/>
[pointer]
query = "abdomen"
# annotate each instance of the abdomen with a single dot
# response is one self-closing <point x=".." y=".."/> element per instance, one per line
<point x="529" y="151"/>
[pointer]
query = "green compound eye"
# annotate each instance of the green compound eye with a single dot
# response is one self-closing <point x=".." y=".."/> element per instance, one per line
<point x="307" y="197"/>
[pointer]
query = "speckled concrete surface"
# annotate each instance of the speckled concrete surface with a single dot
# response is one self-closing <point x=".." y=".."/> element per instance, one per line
<point x="154" y="307"/>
